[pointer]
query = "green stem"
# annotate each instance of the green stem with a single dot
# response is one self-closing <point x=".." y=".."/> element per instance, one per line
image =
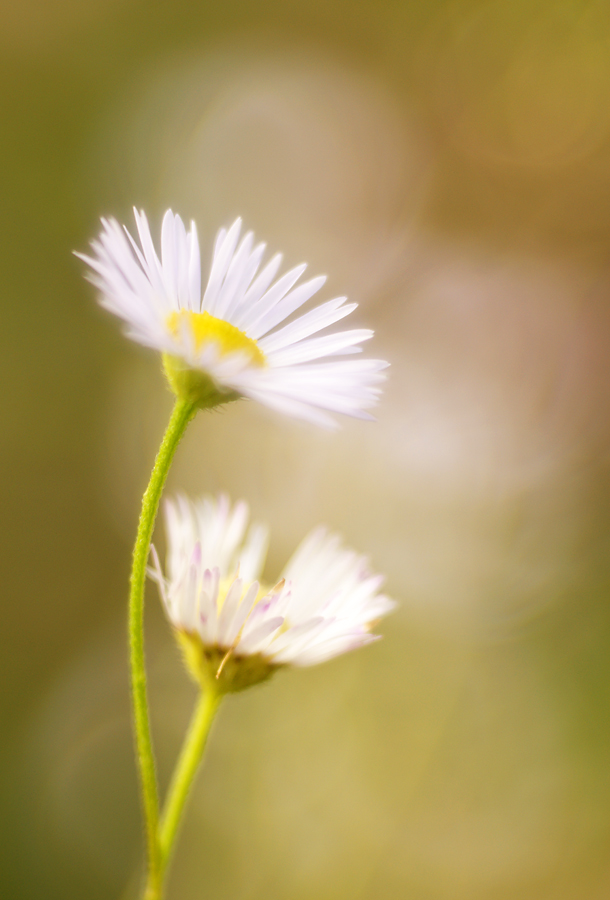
<point x="185" y="771"/>
<point x="182" y="413"/>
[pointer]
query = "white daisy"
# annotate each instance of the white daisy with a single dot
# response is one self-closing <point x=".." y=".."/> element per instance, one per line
<point x="227" y="344"/>
<point x="238" y="631"/>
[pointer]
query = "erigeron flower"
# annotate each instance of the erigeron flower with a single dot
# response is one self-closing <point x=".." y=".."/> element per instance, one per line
<point x="236" y="630"/>
<point x="227" y="343"/>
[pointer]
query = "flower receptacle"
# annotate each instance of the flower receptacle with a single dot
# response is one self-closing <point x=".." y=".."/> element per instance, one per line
<point x="228" y="672"/>
<point x="195" y="386"/>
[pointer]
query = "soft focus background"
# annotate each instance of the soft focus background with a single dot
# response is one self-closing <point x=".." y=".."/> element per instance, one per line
<point x="447" y="163"/>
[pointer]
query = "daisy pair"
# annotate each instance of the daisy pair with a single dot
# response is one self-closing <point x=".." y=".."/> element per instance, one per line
<point x="228" y="341"/>
<point x="240" y="337"/>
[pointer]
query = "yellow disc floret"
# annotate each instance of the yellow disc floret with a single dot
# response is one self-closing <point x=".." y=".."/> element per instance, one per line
<point x="207" y="329"/>
<point x="197" y="385"/>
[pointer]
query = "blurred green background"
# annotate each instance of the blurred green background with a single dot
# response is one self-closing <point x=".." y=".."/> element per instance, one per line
<point x="447" y="163"/>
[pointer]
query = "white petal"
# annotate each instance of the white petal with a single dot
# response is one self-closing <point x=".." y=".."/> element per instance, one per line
<point x="229" y="608"/>
<point x="314" y="348"/>
<point x="252" y="557"/>
<point x="194" y="270"/>
<point x="239" y="302"/>
<point x="315" y="320"/>
<point x="268" y="301"/>
<point x="241" y="614"/>
<point x="279" y="310"/>
<point x="234" y="276"/>
<point x="255" y="641"/>
<point x="318" y="653"/>
<point x="222" y="259"/>
<point x="260" y="285"/>
<point x="291" y="407"/>
<point x="289" y="643"/>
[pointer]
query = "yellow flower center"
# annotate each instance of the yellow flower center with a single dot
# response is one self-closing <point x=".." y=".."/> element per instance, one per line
<point x="207" y="329"/>
<point x="227" y="582"/>
<point x="223" y="666"/>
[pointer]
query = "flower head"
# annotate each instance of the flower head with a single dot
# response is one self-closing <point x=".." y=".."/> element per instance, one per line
<point x="238" y="631"/>
<point x="226" y="343"/>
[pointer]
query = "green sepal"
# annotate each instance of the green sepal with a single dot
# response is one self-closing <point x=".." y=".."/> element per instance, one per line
<point x="236" y="673"/>
<point x="194" y="386"/>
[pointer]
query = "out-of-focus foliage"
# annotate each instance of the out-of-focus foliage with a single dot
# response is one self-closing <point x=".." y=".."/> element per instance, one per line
<point x="447" y="163"/>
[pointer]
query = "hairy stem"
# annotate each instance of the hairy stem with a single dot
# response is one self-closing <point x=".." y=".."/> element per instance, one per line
<point x="182" y="413"/>
<point x="185" y="771"/>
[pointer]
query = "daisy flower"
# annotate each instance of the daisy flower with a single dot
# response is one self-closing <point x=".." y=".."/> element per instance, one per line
<point x="237" y="630"/>
<point x="233" y="340"/>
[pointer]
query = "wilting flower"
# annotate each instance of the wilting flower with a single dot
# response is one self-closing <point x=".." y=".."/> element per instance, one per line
<point x="236" y="630"/>
<point x="227" y="344"/>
